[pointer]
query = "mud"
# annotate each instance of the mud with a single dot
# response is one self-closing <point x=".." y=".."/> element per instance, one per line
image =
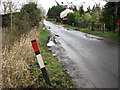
<point x="70" y="67"/>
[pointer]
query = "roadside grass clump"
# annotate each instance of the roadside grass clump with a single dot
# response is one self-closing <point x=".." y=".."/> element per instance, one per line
<point x="48" y="19"/>
<point x="100" y="33"/>
<point x="58" y="77"/>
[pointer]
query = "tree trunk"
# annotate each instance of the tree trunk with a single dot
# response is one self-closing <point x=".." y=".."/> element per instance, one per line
<point x="10" y="7"/>
<point x="115" y="16"/>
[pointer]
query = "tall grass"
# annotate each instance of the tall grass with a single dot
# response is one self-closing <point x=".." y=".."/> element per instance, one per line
<point x="16" y="61"/>
<point x="17" y="52"/>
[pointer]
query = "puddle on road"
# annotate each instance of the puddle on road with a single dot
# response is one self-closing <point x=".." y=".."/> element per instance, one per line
<point x="49" y="27"/>
<point x="56" y="35"/>
<point x="92" y="37"/>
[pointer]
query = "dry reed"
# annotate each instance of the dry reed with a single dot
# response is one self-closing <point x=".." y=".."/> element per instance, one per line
<point x="15" y="62"/>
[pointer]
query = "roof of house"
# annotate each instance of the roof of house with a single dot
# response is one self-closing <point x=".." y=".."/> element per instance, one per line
<point x="65" y="12"/>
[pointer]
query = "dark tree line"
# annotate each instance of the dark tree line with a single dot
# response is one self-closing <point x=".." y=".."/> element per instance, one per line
<point x="55" y="11"/>
<point x="108" y="15"/>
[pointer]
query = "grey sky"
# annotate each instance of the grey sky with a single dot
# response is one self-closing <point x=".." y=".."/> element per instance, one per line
<point x="49" y="3"/>
<point x="46" y="4"/>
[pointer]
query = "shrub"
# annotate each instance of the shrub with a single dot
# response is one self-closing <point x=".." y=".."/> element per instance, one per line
<point x="71" y="18"/>
<point x="33" y="11"/>
<point x="23" y="21"/>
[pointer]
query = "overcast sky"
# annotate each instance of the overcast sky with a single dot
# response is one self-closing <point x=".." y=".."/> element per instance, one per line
<point x="46" y="4"/>
<point x="86" y="3"/>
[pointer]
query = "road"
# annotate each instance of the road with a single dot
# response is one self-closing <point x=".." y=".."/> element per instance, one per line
<point x="95" y="57"/>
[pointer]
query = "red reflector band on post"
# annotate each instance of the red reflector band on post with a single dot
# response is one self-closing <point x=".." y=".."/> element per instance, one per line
<point x="43" y="25"/>
<point x="40" y="61"/>
<point x="35" y="46"/>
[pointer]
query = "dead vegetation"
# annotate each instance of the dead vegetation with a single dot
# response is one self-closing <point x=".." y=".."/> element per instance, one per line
<point x="15" y="62"/>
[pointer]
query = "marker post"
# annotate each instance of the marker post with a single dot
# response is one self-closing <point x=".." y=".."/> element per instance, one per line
<point x="43" y="27"/>
<point x="40" y="61"/>
<point x="119" y="26"/>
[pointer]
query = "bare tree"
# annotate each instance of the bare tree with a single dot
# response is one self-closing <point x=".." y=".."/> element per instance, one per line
<point x="0" y="8"/>
<point x="4" y="6"/>
<point x="43" y="12"/>
<point x="10" y="6"/>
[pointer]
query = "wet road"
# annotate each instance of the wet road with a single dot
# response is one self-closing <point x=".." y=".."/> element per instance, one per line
<point x="96" y="58"/>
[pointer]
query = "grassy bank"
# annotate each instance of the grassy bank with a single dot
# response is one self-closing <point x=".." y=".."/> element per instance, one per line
<point x="58" y="76"/>
<point x="20" y="68"/>
<point x="95" y="32"/>
<point x="17" y="62"/>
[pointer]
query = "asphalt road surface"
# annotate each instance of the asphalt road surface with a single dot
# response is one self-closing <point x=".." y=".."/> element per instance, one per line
<point x="96" y="57"/>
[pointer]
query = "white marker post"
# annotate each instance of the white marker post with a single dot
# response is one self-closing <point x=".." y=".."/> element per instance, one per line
<point x="40" y="61"/>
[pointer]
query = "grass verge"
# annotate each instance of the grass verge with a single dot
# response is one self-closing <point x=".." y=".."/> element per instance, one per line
<point x="16" y="62"/>
<point x="20" y="68"/>
<point x="58" y="76"/>
<point x="95" y="32"/>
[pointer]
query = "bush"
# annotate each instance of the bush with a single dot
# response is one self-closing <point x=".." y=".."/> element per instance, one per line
<point x="71" y="18"/>
<point x="33" y="11"/>
<point x="23" y="21"/>
<point x="58" y="19"/>
<point x="108" y="15"/>
<point x="21" y="24"/>
<point x="55" y="11"/>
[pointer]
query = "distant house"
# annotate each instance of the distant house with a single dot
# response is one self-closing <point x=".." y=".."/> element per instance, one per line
<point x="63" y="14"/>
<point x="46" y="16"/>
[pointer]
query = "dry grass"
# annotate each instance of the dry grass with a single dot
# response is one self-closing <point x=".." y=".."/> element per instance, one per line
<point x="15" y="62"/>
<point x="20" y="69"/>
